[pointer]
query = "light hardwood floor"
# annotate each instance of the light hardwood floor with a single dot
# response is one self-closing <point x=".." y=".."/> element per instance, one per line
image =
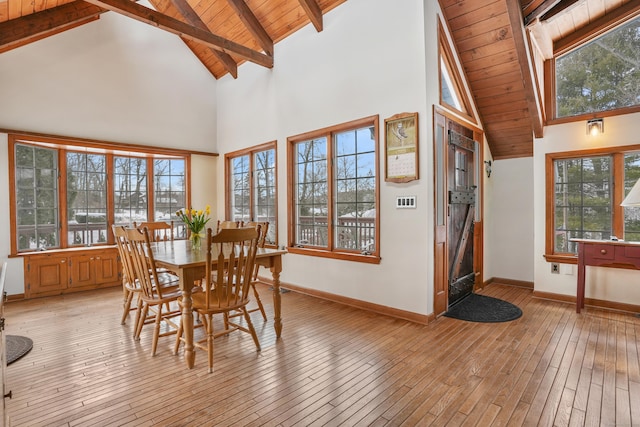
<point x="335" y="365"/>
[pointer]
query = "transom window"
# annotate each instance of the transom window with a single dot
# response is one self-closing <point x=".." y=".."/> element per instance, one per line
<point x="252" y="190"/>
<point x="601" y="75"/>
<point x="334" y="192"/>
<point x="583" y="201"/>
<point x="67" y="195"/>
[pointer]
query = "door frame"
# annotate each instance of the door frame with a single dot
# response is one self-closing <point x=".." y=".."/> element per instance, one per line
<point x="441" y="120"/>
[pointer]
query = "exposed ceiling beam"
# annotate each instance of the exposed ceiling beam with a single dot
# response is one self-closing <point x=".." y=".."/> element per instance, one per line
<point x="562" y="5"/>
<point x="194" y="19"/>
<point x="597" y="27"/>
<point x="253" y="25"/>
<point x="526" y="68"/>
<point x="36" y="26"/>
<point x="540" y="10"/>
<point x="314" y="12"/>
<point x="189" y="32"/>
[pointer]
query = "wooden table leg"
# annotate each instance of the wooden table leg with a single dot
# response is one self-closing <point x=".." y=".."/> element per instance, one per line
<point x="581" y="274"/>
<point x="186" y="285"/>
<point x="276" y="268"/>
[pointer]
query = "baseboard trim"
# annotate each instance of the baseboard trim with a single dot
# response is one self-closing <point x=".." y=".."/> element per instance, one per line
<point x="363" y="305"/>
<point x="512" y="282"/>
<point x="15" y="297"/>
<point x="591" y="302"/>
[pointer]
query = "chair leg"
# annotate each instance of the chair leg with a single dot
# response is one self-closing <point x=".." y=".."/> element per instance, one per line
<point x="138" y="316"/>
<point x="178" y="338"/>
<point x="156" y="330"/>
<point x="210" y="338"/>
<point x="251" y="329"/>
<point x="259" y="301"/>
<point x="144" y="311"/>
<point x="126" y="307"/>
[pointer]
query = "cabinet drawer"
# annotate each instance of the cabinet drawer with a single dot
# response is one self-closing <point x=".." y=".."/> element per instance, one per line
<point x="632" y="251"/>
<point x="599" y="252"/>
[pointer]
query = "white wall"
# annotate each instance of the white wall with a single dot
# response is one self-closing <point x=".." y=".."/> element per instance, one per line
<point x="509" y="237"/>
<point x="371" y="58"/>
<point x="601" y="283"/>
<point x="114" y="79"/>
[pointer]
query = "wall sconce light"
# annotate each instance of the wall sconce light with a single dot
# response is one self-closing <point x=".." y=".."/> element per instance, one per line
<point x="595" y="127"/>
<point x="487" y="167"/>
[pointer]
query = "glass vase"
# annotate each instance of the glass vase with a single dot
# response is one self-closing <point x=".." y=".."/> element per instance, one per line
<point x="196" y="241"/>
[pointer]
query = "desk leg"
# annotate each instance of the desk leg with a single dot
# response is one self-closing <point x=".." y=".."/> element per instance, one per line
<point x="276" y="268"/>
<point x="581" y="274"/>
<point x="187" y="320"/>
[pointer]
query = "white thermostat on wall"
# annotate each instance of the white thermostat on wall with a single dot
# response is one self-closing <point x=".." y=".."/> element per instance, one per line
<point x="406" y="202"/>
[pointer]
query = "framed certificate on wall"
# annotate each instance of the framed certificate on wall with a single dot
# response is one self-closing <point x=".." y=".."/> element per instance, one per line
<point x="401" y="147"/>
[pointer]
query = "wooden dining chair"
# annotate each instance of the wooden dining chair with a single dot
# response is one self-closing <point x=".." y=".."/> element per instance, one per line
<point x="130" y="286"/>
<point x="159" y="231"/>
<point x="231" y="255"/>
<point x="227" y="224"/>
<point x="155" y="296"/>
<point x="262" y="239"/>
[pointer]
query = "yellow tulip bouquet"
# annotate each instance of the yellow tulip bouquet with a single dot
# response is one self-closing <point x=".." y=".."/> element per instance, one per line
<point x="195" y="220"/>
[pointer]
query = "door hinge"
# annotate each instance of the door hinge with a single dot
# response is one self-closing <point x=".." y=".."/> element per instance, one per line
<point x="1" y="323"/>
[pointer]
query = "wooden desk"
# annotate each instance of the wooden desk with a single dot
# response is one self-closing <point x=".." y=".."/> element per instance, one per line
<point x="604" y="253"/>
<point x="189" y="265"/>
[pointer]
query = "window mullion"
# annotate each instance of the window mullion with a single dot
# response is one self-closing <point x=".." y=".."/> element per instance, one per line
<point x="331" y="184"/>
<point x="62" y="200"/>
<point x="617" y="211"/>
<point x="151" y="185"/>
<point x="110" y="197"/>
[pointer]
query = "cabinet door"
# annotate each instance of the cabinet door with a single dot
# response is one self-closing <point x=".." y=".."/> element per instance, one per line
<point x="107" y="268"/>
<point x="82" y="271"/>
<point x="46" y="275"/>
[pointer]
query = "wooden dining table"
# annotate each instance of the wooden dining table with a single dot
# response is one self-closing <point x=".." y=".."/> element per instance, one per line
<point x="189" y="264"/>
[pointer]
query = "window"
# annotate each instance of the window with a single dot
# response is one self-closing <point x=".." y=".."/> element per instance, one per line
<point x="86" y="198"/>
<point x="334" y="192"/>
<point x="69" y="194"/>
<point x="452" y="91"/>
<point x="251" y="183"/>
<point x="130" y="186"/>
<point x="169" y="188"/>
<point x="36" y="197"/>
<point x="600" y="75"/>
<point x="583" y="200"/>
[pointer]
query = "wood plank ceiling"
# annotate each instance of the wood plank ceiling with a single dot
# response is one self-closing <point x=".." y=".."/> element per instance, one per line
<point x="490" y="37"/>
<point x="493" y="40"/>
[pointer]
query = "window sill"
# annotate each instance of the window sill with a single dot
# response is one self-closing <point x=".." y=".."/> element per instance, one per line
<point x="370" y="259"/>
<point x="563" y="259"/>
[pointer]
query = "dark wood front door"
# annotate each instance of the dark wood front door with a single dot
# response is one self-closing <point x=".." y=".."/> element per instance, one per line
<point x="457" y="245"/>
<point x="461" y="196"/>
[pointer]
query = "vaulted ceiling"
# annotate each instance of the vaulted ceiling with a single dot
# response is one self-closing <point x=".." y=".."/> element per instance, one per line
<point x="495" y="40"/>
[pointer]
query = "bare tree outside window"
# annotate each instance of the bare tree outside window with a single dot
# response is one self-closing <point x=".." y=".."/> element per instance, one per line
<point x="130" y="190"/>
<point x="169" y="188"/>
<point x="86" y="198"/>
<point x="36" y="177"/>
<point x="335" y="191"/>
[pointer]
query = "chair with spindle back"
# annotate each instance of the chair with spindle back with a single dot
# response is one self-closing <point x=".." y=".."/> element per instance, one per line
<point x="262" y="239"/>
<point x="227" y="224"/>
<point x="231" y="255"/>
<point x="159" y="231"/>
<point x="130" y="284"/>
<point x="153" y="295"/>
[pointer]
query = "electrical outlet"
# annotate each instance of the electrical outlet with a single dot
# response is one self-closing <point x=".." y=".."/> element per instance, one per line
<point x="555" y="268"/>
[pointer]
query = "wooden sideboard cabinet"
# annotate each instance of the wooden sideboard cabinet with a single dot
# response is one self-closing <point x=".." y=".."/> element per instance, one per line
<point x="57" y="272"/>
<point x="603" y="253"/>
